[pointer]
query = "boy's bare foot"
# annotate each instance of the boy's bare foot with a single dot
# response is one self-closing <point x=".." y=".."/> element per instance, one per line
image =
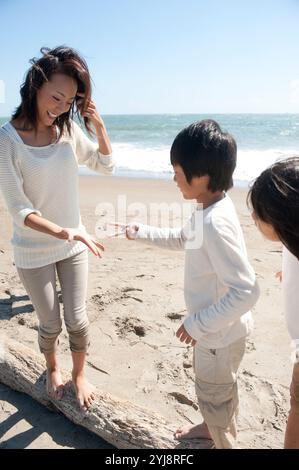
<point x="85" y="392"/>
<point x="54" y="384"/>
<point x="191" y="431"/>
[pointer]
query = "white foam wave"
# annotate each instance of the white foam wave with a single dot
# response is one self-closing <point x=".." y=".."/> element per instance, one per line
<point x="133" y="160"/>
<point x="252" y="162"/>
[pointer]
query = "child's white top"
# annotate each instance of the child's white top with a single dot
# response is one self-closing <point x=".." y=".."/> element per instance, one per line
<point x="290" y="292"/>
<point x="220" y="285"/>
<point x="44" y="180"/>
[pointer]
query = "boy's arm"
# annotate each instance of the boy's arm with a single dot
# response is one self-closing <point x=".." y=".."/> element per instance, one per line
<point x="170" y="238"/>
<point x="234" y="271"/>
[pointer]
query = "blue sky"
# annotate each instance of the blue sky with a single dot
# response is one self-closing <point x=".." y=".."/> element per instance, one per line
<point x="163" y="56"/>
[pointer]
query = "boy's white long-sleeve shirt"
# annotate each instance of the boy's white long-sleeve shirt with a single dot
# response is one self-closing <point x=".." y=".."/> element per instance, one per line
<point x="220" y="286"/>
<point x="44" y="180"/>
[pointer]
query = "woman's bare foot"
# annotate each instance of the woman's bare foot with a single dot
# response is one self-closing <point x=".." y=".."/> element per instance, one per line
<point x="54" y="384"/>
<point x="85" y="392"/>
<point x="191" y="431"/>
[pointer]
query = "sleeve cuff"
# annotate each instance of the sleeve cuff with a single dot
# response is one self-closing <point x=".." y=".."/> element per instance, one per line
<point x="142" y="232"/>
<point x="109" y="155"/>
<point x="22" y="214"/>
<point x="107" y="162"/>
<point x="190" y="328"/>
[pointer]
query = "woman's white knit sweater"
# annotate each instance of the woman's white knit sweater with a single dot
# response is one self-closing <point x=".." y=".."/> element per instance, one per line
<point x="44" y="180"/>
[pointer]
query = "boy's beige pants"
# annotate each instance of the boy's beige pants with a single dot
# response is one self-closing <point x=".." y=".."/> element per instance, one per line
<point x="217" y="390"/>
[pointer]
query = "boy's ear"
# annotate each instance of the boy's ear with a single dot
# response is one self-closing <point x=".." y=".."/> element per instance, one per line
<point x="207" y="179"/>
<point x="203" y="180"/>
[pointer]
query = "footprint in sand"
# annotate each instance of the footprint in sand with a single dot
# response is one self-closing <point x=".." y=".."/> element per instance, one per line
<point x="266" y="406"/>
<point x="147" y="382"/>
<point x="125" y="295"/>
<point x="128" y="325"/>
<point x="170" y="372"/>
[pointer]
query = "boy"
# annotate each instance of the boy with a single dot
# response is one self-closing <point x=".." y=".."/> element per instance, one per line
<point x="220" y="285"/>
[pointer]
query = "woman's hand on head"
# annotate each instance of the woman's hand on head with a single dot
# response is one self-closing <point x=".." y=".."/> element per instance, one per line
<point x="71" y="234"/>
<point x="90" y="110"/>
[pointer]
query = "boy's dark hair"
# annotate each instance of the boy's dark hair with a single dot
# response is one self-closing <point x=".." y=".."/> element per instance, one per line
<point x="64" y="60"/>
<point x="204" y="149"/>
<point x="274" y="198"/>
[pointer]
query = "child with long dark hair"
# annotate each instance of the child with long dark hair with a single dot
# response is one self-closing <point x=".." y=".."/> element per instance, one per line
<point x="40" y="149"/>
<point x="274" y="199"/>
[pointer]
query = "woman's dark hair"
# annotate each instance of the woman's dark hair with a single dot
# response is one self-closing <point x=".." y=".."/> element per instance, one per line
<point x="274" y="198"/>
<point x="204" y="149"/>
<point x="62" y="60"/>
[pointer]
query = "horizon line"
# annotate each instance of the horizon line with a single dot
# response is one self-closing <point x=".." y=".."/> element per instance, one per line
<point x="191" y="114"/>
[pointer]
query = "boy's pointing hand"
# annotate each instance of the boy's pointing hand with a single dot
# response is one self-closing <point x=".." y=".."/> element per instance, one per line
<point x="184" y="337"/>
<point x="130" y="230"/>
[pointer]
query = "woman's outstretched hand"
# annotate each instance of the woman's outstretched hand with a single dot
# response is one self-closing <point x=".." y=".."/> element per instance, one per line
<point x="71" y="234"/>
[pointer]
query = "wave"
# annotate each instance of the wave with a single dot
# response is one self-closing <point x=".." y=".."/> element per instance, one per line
<point x="136" y="161"/>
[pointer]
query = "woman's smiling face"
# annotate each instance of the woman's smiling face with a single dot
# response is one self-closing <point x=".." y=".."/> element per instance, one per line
<point x="55" y="97"/>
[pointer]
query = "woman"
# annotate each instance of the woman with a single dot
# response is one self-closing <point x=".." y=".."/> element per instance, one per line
<point x="40" y="149"/>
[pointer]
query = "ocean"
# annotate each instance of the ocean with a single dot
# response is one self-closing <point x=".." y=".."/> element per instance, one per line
<point x="141" y="143"/>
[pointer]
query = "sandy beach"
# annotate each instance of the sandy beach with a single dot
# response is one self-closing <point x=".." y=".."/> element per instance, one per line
<point x="135" y="305"/>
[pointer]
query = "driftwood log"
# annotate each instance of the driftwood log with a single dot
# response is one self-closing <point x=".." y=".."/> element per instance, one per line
<point x="121" y="423"/>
